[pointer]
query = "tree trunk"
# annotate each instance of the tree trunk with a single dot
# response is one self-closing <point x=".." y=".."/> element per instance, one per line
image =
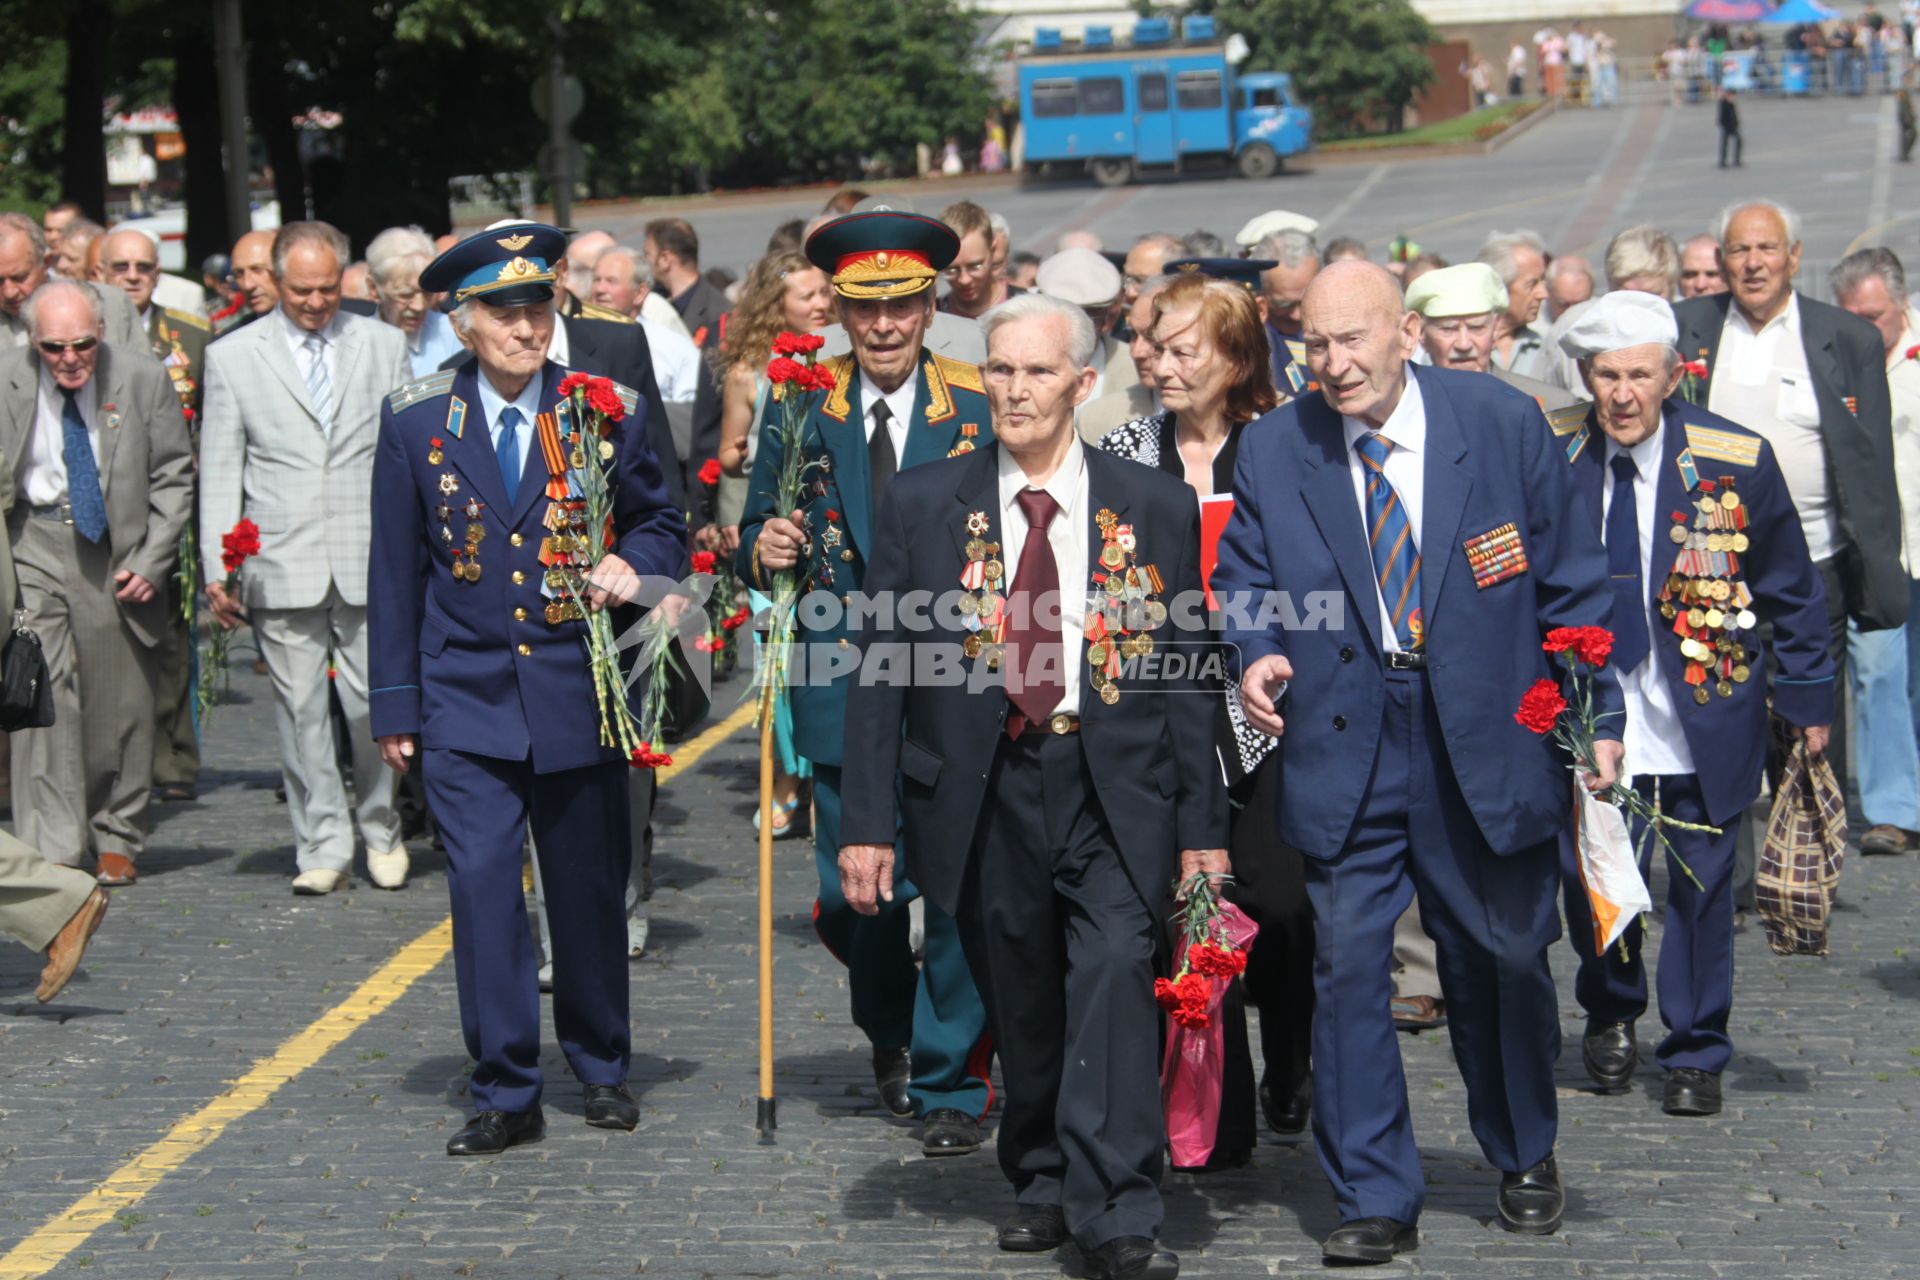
<point x="83" y="162"/>
<point x="273" y="117"/>
<point x="196" y="98"/>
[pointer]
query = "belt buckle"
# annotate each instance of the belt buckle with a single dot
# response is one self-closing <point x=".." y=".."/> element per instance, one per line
<point x="1060" y="722"/>
<point x="1402" y="660"/>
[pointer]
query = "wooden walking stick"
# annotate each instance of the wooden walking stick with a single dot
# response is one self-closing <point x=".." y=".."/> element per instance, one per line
<point x="765" y="1118"/>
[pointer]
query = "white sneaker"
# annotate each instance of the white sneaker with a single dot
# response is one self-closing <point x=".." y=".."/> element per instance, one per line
<point x="637" y="927"/>
<point x="321" y="880"/>
<point x="388" y="870"/>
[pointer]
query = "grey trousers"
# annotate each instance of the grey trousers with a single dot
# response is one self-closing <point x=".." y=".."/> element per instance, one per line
<point x="37" y="897"/>
<point x="82" y="785"/>
<point x="176" y="746"/>
<point x="297" y="645"/>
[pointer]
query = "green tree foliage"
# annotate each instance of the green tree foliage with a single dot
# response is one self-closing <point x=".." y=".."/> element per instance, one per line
<point x="32" y="122"/>
<point x="1358" y="62"/>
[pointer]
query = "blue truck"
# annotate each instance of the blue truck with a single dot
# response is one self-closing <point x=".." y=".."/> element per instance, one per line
<point x="1155" y="104"/>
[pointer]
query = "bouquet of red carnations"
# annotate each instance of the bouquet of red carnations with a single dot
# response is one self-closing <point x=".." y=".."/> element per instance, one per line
<point x="1215" y="937"/>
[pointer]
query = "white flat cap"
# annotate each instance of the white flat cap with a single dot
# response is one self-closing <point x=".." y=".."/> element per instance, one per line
<point x="1470" y="289"/>
<point x="1080" y="276"/>
<point x="1618" y="320"/>
<point x="1272" y="221"/>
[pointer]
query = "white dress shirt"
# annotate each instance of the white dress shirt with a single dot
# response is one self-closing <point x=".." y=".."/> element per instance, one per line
<point x="1067" y="535"/>
<point x="1762" y="383"/>
<point x="1903" y="382"/>
<point x="900" y="404"/>
<point x="43" y="472"/>
<point x="676" y="362"/>
<point x="527" y="402"/>
<point x="1406" y="429"/>
<point x="557" y="349"/>
<point x="1655" y="744"/>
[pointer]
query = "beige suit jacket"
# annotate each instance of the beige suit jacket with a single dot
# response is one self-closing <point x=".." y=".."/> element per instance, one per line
<point x="265" y="455"/>
<point x="146" y="464"/>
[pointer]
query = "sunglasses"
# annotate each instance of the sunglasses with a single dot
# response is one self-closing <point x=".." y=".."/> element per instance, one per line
<point x="137" y="268"/>
<point x="77" y="346"/>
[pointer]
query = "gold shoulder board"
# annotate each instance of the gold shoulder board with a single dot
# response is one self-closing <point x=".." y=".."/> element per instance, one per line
<point x="188" y="319"/>
<point x="593" y="311"/>
<point x="1567" y="419"/>
<point x="437" y="383"/>
<point x="1723" y="446"/>
<point x="959" y="373"/>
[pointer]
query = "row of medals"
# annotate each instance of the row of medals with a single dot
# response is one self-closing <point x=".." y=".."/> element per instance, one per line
<point x="1706" y="605"/>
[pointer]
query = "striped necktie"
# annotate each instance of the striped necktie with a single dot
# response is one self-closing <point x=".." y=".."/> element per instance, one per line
<point x="319" y="385"/>
<point x="1396" y="556"/>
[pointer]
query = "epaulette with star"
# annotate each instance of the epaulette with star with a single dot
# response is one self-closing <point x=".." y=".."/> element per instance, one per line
<point x="437" y="383"/>
<point x="187" y="318"/>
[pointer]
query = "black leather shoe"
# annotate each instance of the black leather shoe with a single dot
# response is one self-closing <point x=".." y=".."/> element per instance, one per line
<point x="1691" y="1092"/>
<point x="611" y="1106"/>
<point x="1531" y="1201"/>
<point x="1370" y="1240"/>
<point x="892" y="1068"/>
<point x="491" y="1132"/>
<point x="1132" y="1258"/>
<point x="1610" y="1053"/>
<point x="949" y="1133"/>
<point x="1286" y="1115"/>
<point x="1034" y="1229"/>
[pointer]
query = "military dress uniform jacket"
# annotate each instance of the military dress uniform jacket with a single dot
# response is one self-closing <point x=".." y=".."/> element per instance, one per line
<point x="1847" y="362"/>
<point x="950" y="416"/>
<point x="1495" y="478"/>
<point x="474" y="666"/>
<point x="180" y="344"/>
<point x="1727" y="734"/>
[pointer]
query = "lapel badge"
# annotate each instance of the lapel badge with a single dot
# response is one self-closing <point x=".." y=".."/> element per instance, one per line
<point x="449" y="483"/>
<point x="434" y="456"/>
<point x="977" y="523"/>
<point x="113" y="416"/>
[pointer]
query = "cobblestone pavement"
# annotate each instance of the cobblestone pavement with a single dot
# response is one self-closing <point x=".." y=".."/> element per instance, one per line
<point x="209" y="964"/>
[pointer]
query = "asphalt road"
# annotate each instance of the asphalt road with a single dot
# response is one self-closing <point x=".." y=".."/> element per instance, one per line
<point x="1576" y="178"/>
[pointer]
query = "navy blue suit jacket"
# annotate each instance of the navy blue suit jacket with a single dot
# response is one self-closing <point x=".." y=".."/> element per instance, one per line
<point x="948" y="399"/>
<point x="1728" y="736"/>
<point x="1297" y="528"/>
<point x="474" y="666"/>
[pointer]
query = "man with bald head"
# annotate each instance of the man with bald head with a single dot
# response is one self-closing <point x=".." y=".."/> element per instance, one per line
<point x="253" y="279"/>
<point x="1811" y="380"/>
<point x="1436" y="509"/>
<point x="96" y="452"/>
<point x="1700" y="271"/>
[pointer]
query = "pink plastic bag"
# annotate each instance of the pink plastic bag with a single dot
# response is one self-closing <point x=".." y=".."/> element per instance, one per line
<point x="1190" y="1074"/>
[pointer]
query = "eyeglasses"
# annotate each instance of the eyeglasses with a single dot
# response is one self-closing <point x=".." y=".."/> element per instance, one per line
<point x="136" y="268"/>
<point x="78" y="346"/>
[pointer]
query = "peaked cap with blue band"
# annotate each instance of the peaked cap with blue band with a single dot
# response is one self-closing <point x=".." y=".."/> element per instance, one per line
<point x="1244" y="272"/>
<point x="508" y="266"/>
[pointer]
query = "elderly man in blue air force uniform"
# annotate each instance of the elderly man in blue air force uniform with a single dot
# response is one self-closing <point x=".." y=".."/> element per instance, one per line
<point x="1437" y="509"/>
<point x="1703" y="545"/>
<point x="480" y="677"/>
<point x="893" y="406"/>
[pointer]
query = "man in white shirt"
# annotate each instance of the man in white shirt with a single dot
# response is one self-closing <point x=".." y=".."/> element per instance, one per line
<point x="622" y="283"/>
<point x="1521" y="259"/>
<point x="1884" y="670"/>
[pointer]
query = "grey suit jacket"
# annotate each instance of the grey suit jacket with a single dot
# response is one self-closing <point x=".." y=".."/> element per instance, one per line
<point x="1849" y="369"/>
<point x="265" y="455"/>
<point x="146" y="464"/>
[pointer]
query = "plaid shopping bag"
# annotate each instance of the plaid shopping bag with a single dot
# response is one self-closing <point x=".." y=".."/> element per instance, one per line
<point x="1800" y="863"/>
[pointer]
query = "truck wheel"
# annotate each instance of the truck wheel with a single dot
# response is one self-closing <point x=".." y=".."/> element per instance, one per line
<point x="1258" y="161"/>
<point x="1110" y="172"/>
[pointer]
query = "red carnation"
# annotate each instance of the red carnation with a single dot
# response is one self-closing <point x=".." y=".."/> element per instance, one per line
<point x="1695" y="368"/>
<point x="703" y="562"/>
<point x="1215" y="961"/>
<point x="805" y="344"/>
<point x="707" y="644"/>
<point x="572" y="382"/>
<point x="710" y="472"/>
<point x="786" y="344"/>
<point x="1194" y="996"/>
<point x="1540" y="707"/>
<point x="1590" y="645"/>
<point x="1913" y="352"/>
<point x="816" y="378"/>
<point x="239" y="545"/>
<point x="735" y="620"/>
<point x="645" y="757"/>
<point x="781" y="370"/>
<point x="604" y="400"/>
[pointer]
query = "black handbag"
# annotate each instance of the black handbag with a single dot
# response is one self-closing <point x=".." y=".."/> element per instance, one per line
<point x="26" y="684"/>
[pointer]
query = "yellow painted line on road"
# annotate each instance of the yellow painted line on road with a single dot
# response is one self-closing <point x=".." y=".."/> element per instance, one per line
<point x="66" y="1231"/>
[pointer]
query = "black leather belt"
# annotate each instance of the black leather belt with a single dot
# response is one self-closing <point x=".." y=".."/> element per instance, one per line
<point x="1402" y="660"/>
<point x="1059" y="724"/>
<point x="61" y="511"/>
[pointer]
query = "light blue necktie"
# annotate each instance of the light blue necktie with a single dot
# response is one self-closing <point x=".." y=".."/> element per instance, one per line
<point x="319" y="385"/>
<point x="508" y="451"/>
<point x="83" y="473"/>
<point x="1396" y="557"/>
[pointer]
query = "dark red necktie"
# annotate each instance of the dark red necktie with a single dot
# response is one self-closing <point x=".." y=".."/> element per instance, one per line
<point x="1033" y="635"/>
